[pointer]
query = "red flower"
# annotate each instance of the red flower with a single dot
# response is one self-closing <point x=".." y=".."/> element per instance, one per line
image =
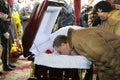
<point x="48" y="51"/>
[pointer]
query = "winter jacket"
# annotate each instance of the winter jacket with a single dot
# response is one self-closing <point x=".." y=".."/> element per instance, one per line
<point x="100" y="47"/>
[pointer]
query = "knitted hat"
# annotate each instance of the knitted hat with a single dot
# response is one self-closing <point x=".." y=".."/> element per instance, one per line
<point x="103" y="6"/>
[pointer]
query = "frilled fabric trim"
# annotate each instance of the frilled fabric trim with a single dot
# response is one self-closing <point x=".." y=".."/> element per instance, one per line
<point x="69" y="38"/>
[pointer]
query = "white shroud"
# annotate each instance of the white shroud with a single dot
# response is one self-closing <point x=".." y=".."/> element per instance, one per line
<point x="62" y="61"/>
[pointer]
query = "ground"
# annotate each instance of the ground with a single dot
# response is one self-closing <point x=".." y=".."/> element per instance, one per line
<point x="20" y="72"/>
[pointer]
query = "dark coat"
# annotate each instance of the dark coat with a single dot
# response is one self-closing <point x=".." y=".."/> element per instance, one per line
<point x="4" y="25"/>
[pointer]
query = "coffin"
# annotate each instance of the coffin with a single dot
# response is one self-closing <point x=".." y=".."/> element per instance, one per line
<point x="60" y="67"/>
<point x="38" y="38"/>
<point x="48" y="73"/>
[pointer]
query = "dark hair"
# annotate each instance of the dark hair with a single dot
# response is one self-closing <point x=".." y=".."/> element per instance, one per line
<point x="104" y="6"/>
<point x="59" y="40"/>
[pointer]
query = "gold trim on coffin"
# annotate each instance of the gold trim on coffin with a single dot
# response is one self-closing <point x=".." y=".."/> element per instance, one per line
<point x="81" y="74"/>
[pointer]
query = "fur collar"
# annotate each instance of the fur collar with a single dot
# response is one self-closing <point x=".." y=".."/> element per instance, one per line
<point x="114" y="17"/>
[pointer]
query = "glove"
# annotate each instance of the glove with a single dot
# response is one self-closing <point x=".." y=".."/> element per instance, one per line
<point x="6" y="35"/>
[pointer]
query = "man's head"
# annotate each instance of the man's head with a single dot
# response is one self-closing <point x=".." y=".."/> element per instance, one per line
<point x="102" y="8"/>
<point x="61" y="45"/>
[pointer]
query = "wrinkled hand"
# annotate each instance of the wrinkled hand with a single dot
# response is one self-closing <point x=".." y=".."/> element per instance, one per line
<point x="6" y="35"/>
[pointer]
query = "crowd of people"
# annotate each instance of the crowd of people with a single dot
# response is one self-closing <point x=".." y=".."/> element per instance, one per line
<point x="98" y="41"/>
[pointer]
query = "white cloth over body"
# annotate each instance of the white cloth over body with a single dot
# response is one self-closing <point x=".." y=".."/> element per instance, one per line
<point x="62" y="61"/>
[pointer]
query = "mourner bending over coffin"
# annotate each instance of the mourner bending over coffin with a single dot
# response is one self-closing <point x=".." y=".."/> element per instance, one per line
<point x="99" y="46"/>
<point x="46" y="48"/>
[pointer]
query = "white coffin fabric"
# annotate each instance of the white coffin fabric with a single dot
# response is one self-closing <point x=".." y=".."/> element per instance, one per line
<point x="62" y="61"/>
<point x="38" y="47"/>
<point x="45" y="28"/>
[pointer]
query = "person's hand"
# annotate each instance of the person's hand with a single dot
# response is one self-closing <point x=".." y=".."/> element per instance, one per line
<point x="6" y="35"/>
<point x="3" y="15"/>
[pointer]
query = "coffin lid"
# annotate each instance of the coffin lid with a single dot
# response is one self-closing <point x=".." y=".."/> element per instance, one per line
<point x="41" y="23"/>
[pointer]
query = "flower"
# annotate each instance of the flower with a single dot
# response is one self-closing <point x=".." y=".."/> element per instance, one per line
<point x="16" y="49"/>
<point x="48" y="51"/>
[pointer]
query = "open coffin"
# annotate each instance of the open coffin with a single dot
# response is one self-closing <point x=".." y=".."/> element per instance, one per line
<point x="38" y="38"/>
